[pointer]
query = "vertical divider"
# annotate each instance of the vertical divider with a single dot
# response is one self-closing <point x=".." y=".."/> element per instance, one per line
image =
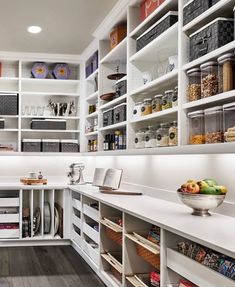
<point x="67" y="213"/>
<point x="20" y="212"/>
<point x="123" y="249"/>
<point x="52" y="202"/>
<point x="31" y="212"/>
<point x="19" y="105"/>
<point x="42" y="212"/>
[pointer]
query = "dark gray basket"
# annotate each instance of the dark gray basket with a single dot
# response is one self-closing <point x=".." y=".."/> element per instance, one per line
<point x="46" y="124"/>
<point x="31" y="145"/>
<point x="119" y="113"/>
<point x="121" y="87"/>
<point x="50" y="145"/>
<point x="2" y="123"/>
<point x="69" y="146"/>
<point x="108" y="118"/>
<point x="213" y="36"/>
<point x="8" y="104"/>
<point x="157" y="29"/>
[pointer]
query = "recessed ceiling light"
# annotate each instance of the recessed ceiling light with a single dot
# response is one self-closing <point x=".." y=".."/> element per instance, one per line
<point x="34" y="29"/>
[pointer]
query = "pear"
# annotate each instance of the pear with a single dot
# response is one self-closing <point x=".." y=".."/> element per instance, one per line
<point x="208" y="190"/>
<point x="202" y="184"/>
<point x="210" y="181"/>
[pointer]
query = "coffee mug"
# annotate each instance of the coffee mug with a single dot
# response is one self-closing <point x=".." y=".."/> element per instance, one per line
<point x="32" y="175"/>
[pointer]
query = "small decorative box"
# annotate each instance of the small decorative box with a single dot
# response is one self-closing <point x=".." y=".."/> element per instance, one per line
<point x="39" y="70"/>
<point x="61" y="71"/>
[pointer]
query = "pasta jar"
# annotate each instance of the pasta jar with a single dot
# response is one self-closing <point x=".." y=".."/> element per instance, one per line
<point x="163" y="135"/>
<point x="209" y="79"/>
<point x="226" y="72"/>
<point x="214" y="125"/>
<point x="175" y="97"/>
<point x="157" y="103"/>
<point x="194" y="84"/>
<point x="137" y="110"/>
<point x="140" y="138"/>
<point x="167" y="99"/>
<point x="173" y="134"/>
<point x="196" y="127"/>
<point x="229" y="122"/>
<point x="146" y="108"/>
<point x="151" y="137"/>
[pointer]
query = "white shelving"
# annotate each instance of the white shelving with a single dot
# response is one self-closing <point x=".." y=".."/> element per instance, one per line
<point x="93" y="75"/>
<point x="92" y="115"/>
<point x="113" y="127"/>
<point x="117" y="53"/>
<point x="93" y="96"/>
<point x="49" y="131"/>
<point x="114" y="102"/>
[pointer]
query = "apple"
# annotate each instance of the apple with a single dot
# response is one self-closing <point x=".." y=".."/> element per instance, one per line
<point x="193" y="188"/>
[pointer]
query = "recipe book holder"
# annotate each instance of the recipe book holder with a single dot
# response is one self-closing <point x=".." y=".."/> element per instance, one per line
<point x="109" y="190"/>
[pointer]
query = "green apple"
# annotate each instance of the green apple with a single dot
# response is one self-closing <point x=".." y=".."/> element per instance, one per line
<point x="210" y="181"/>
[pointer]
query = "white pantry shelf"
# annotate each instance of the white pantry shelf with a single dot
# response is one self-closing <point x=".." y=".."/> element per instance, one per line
<point x="9" y="79"/>
<point x="92" y="76"/>
<point x="113" y="127"/>
<point x="50" y="81"/>
<point x="93" y="96"/>
<point x="95" y="133"/>
<point x="92" y="115"/>
<point x="9" y="130"/>
<point x="9" y="116"/>
<point x="50" y="94"/>
<point x="113" y="102"/>
<point x="49" y="131"/>
<point x="51" y="117"/>
<point x="117" y="53"/>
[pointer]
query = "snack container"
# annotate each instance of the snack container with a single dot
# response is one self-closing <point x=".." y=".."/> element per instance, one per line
<point x="229" y="122"/>
<point x="214" y="125"/>
<point x="196" y="127"/>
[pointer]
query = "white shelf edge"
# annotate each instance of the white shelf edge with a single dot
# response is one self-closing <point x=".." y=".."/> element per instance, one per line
<point x="111" y="127"/>
<point x="91" y="134"/>
<point x="92" y="76"/>
<point x="53" y="81"/>
<point x="108" y="57"/>
<point x="50" y="131"/>
<point x="9" y="116"/>
<point x="93" y="96"/>
<point x="50" y="94"/>
<point x="113" y="102"/>
<point x="92" y="115"/>
<point x="9" y="79"/>
<point x="9" y="130"/>
<point x="50" y="117"/>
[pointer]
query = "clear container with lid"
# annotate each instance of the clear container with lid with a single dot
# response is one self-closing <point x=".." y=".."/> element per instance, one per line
<point x="167" y="99"/>
<point x="214" y="125"/>
<point x="226" y="72"/>
<point x="137" y="110"/>
<point x="196" y="127"/>
<point x="140" y="138"/>
<point x="163" y="135"/>
<point x="146" y="107"/>
<point x="194" y="84"/>
<point x="157" y="103"/>
<point x="229" y="122"/>
<point x="173" y="134"/>
<point x="151" y="137"/>
<point x="175" y="97"/>
<point x="209" y="79"/>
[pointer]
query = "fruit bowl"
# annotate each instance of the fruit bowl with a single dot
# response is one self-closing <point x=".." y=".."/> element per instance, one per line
<point x="201" y="203"/>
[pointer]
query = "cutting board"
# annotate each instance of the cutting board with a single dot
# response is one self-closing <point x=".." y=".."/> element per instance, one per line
<point x="31" y="181"/>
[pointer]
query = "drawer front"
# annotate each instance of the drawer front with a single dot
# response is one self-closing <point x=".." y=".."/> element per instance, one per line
<point x="9" y="233"/>
<point x="91" y="252"/>
<point x="9" y="202"/>
<point x="91" y="212"/>
<point x="76" y="238"/>
<point x="91" y="232"/>
<point x="9" y="218"/>
<point x="76" y="221"/>
<point x="77" y="204"/>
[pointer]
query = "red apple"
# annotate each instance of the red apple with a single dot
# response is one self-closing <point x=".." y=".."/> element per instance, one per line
<point x="193" y="188"/>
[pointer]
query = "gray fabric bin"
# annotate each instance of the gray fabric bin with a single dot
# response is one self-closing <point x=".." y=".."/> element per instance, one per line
<point x="48" y="124"/>
<point x="31" y="145"/>
<point x="69" y="146"/>
<point x="8" y="104"/>
<point x="2" y="123"/>
<point x="52" y="145"/>
<point x="108" y="117"/>
<point x="119" y="113"/>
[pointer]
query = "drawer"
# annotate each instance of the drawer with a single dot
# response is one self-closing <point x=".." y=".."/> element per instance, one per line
<point x="91" y="212"/>
<point x="91" y="252"/>
<point x="91" y="232"/>
<point x="77" y="204"/>
<point x="76" y="238"/>
<point x="9" y="218"/>
<point x="9" y="202"/>
<point x="76" y="221"/>
<point x="9" y="233"/>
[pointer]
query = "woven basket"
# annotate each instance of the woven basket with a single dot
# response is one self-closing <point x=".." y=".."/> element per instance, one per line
<point x="116" y="274"/>
<point x="115" y="236"/>
<point x="151" y="258"/>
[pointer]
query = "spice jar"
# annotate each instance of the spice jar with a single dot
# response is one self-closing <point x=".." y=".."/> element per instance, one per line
<point x="194" y="84"/>
<point x="196" y="127"/>
<point x="167" y="100"/>
<point x="151" y="137"/>
<point x="163" y="135"/>
<point x="209" y="79"/>
<point x="214" y="125"/>
<point x="137" y="109"/>
<point x="140" y="138"/>
<point x="229" y="122"/>
<point x="226" y="72"/>
<point x="146" y="108"/>
<point x="157" y="103"/>
<point x="173" y="134"/>
<point x="175" y="97"/>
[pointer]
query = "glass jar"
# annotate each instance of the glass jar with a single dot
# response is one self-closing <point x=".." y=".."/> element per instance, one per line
<point x="175" y="97"/>
<point x="163" y="135"/>
<point x="196" y="127"/>
<point x="209" y="79"/>
<point x="229" y="122"/>
<point x="173" y="134"/>
<point x="151" y="137"/>
<point x="146" y="108"/>
<point x="157" y="103"/>
<point x="140" y="138"/>
<point x="137" y="110"/>
<point x="226" y="72"/>
<point x="214" y="125"/>
<point x="167" y="100"/>
<point x="194" y="84"/>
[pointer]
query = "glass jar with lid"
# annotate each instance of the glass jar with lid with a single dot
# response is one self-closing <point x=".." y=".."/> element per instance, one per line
<point x="157" y="103"/>
<point x="229" y="122"/>
<point x="163" y="135"/>
<point x="137" y="110"/>
<point x="151" y="137"/>
<point x="209" y="79"/>
<point x="214" y="125"/>
<point x="146" y="107"/>
<point x="175" y="97"/>
<point x="194" y="84"/>
<point x="226" y="72"/>
<point x="173" y="134"/>
<point x="139" y="141"/>
<point x="167" y="99"/>
<point x="196" y="127"/>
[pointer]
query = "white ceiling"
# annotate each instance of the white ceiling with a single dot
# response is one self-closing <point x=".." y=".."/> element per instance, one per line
<point x="67" y="25"/>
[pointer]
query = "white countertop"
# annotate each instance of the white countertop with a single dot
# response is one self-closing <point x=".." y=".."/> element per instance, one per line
<point x="215" y="231"/>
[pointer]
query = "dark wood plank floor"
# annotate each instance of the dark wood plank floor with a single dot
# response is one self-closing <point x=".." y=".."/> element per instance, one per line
<point x="50" y="266"/>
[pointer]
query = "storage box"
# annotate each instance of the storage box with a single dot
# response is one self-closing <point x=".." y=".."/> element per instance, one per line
<point x="69" y="146"/>
<point x="89" y="69"/>
<point x="119" y="113"/>
<point x="8" y="104"/>
<point x="148" y="6"/>
<point x="214" y="35"/>
<point x="40" y="70"/>
<point x="31" y="145"/>
<point x="95" y="61"/>
<point x="61" y="71"/>
<point x="108" y="117"/>
<point x="48" y="124"/>
<point x="50" y="145"/>
<point x="157" y="29"/>
<point x="117" y="35"/>
<point x="2" y="123"/>
<point x="121" y="87"/>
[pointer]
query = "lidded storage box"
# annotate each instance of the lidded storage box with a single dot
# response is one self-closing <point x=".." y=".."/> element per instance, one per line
<point x="108" y="117"/>
<point x="121" y="87"/>
<point x="48" y="124"/>
<point x="196" y="127"/>
<point x="214" y="35"/>
<point x="50" y="145"/>
<point x="229" y="122"/>
<point x="119" y="114"/>
<point x="31" y="145"/>
<point x="194" y="84"/>
<point x="8" y="104"/>
<point x="214" y="125"/>
<point x="117" y="35"/>
<point x="69" y="146"/>
<point x="2" y="123"/>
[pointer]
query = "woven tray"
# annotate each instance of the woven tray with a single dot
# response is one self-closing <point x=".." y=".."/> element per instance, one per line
<point x="30" y="181"/>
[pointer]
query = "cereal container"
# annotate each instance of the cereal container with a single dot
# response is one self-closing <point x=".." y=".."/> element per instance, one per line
<point x="194" y="84"/>
<point x="209" y="79"/>
<point x="140" y="138"/>
<point x="226" y="72"/>
<point x="229" y="122"/>
<point x="163" y="135"/>
<point x="157" y="103"/>
<point x="137" y="110"/>
<point x="167" y="99"/>
<point x="196" y="127"/>
<point x="146" y="108"/>
<point x="214" y="125"/>
<point x="173" y="134"/>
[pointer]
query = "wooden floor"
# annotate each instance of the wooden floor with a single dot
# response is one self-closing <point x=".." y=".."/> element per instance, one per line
<point x="51" y="266"/>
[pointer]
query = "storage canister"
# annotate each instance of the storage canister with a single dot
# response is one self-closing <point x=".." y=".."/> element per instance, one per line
<point x="140" y="138"/>
<point x="108" y="117"/>
<point x="229" y="122"/>
<point x="173" y="134"/>
<point x="146" y="108"/>
<point x="194" y="84"/>
<point x="196" y="127"/>
<point x="151" y="137"/>
<point x="50" y="145"/>
<point x="214" y="125"/>
<point x="121" y="87"/>
<point x="119" y="113"/>
<point x="137" y="110"/>
<point x="163" y="135"/>
<point x="157" y="103"/>
<point x="209" y="79"/>
<point x="175" y="97"/>
<point x="167" y="99"/>
<point x="226" y="72"/>
<point x="31" y="145"/>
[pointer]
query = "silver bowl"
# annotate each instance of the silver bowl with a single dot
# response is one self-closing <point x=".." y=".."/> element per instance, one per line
<point x="201" y="203"/>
